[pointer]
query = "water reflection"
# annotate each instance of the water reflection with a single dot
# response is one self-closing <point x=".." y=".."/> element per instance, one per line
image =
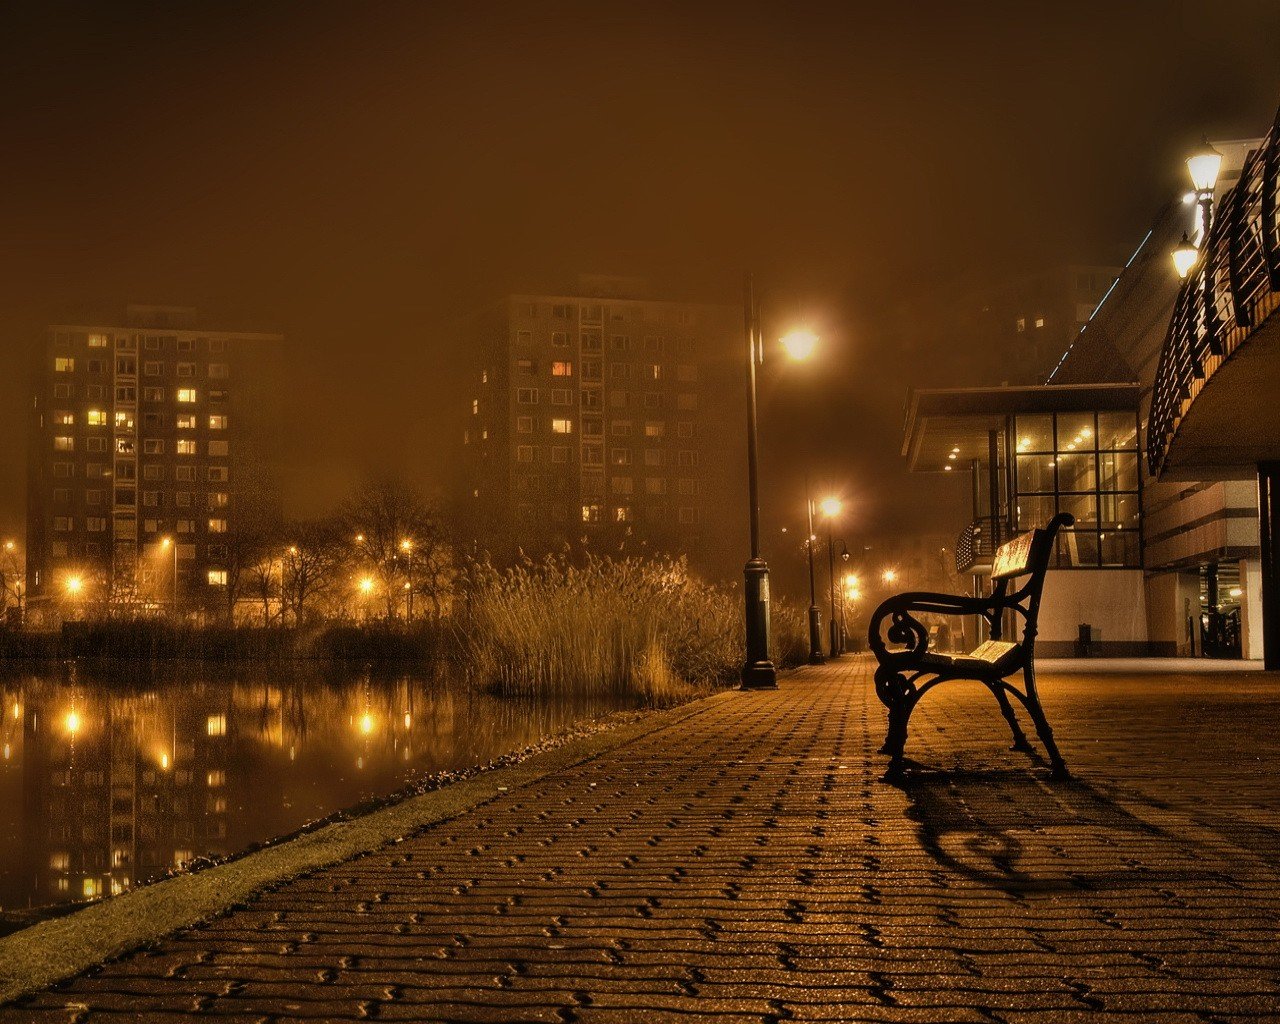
<point x="107" y="782"/>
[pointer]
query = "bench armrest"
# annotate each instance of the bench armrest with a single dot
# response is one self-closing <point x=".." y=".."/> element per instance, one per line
<point x="908" y="631"/>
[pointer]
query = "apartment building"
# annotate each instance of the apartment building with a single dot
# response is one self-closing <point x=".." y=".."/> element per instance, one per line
<point x="606" y="421"/>
<point x="147" y="437"/>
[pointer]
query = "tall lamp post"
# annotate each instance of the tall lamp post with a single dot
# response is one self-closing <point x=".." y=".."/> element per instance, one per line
<point x="1203" y="166"/>
<point x="407" y="547"/>
<point x="815" y="615"/>
<point x="166" y="544"/>
<point x="758" y="672"/>
<point x="831" y="508"/>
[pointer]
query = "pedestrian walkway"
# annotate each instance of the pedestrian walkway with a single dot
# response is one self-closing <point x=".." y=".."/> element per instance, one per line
<point x="746" y="864"/>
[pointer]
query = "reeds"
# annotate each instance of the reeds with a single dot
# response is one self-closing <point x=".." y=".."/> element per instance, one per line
<point x="639" y="626"/>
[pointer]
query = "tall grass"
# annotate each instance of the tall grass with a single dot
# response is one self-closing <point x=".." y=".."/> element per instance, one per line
<point x="641" y="626"/>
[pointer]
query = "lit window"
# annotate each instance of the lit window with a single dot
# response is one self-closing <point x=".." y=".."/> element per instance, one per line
<point x="1022" y="324"/>
<point x="64" y="419"/>
<point x="217" y="423"/>
<point x="475" y="407"/>
<point x="97" y="341"/>
<point x="1039" y="322"/>
<point x="96" y="418"/>
<point x="653" y="371"/>
<point x="216" y="778"/>
<point x="562" y="426"/>
<point x="217" y="577"/>
<point x="186" y="422"/>
<point x="591" y="513"/>
<point x="187" y="395"/>
<point x="622" y="514"/>
<point x="64" y="444"/>
<point x="216" y="725"/>
<point x="561" y="368"/>
<point x="654" y="428"/>
<point x="185" y="446"/>
<point x="124" y="420"/>
<point x="217" y="526"/>
<point x="64" y="364"/>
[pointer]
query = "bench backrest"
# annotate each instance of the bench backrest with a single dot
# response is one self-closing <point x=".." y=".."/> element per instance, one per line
<point x="1028" y="552"/>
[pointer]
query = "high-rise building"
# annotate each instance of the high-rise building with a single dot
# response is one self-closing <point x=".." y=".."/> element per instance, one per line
<point x="147" y="445"/>
<point x="607" y="421"/>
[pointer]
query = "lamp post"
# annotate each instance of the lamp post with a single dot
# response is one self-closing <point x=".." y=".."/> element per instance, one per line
<point x="1203" y="166"/>
<point x="831" y="508"/>
<point x="407" y="547"/>
<point x="815" y="615"/>
<point x="166" y="543"/>
<point x="758" y="672"/>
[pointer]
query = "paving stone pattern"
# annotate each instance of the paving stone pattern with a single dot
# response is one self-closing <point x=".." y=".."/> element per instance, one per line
<point x="748" y="865"/>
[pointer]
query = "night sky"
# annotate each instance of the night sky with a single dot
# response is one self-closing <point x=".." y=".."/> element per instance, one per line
<point x="359" y="174"/>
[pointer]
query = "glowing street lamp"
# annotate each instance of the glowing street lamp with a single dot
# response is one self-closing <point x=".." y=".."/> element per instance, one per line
<point x="406" y="546"/>
<point x="366" y="585"/>
<point x="1203" y="165"/>
<point x="165" y="544"/>
<point x="74" y="585"/>
<point x="800" y="344"/>
<point x="1185" y="256"/>
<point x="890" y="576"/>
<point x="758" y="672"/>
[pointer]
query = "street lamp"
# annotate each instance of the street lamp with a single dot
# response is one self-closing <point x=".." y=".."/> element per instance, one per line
<point x="890" y="576"/>
<point x="831" y="508"/>
<point x="1203" y="166"/>
<point x="407" y="547"/>
<point x="1185" y="256"/>
<point x="758" y="672"/>
<point x="800" y="344"/>
<point x="165" y="544"/>
<point x="815" y="616"/>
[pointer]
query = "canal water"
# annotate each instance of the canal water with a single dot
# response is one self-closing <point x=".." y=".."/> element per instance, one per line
<point x="110" y="780"/>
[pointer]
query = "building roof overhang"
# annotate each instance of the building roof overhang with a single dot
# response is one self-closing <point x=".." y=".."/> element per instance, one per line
<point x="942" y="420"/>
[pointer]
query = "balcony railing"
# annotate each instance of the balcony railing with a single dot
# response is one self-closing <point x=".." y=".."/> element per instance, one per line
<point x="977" y="544"/>
<point x="1233" y="288"/>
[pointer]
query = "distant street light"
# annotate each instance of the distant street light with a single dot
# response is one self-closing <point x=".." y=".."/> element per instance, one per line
<point x="407" y="547"/>
<point x="890" y="576"/>
<point x="815" y="616"/>
<point x="165" y="544"/>
<point x="800" y="344"/>
<point x="758" y="672"/>
<point x="74" y="585"/>
<point x="831" y="508"/>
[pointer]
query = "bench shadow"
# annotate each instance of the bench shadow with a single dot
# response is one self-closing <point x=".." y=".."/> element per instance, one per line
<point x="1024" y="833"/>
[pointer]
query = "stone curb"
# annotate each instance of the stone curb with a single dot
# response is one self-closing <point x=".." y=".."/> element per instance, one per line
<point x="57" y="949"/>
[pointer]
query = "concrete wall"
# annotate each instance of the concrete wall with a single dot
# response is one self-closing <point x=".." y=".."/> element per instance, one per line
<point x="1112" y="601"/>
<point x="1172" y="598"/>
<point x="1251" y="608"/>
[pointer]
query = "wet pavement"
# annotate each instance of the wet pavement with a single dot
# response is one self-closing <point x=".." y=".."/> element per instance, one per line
<point x="745" y="863"/>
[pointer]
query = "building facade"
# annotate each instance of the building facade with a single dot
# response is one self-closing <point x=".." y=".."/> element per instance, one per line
<point x="148" y="439"/>
<point x="607" y="422"/>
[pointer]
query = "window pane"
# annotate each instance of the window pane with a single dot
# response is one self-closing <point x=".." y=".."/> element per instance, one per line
<point x="1120" y="547"/>
<point x="1084" y="507"/>
<point x="1075" y="431"/>
<point x="1034" y="433"/>
<point x="1119" y="511"/>
<point x="1118" y="471"/>
<point x="1117" y="430"/>
<point x="1076" y="473"/>
<point x="1035" y="473"/>
<point x="1077" y="549"/>
<point x="1034" y="511"/>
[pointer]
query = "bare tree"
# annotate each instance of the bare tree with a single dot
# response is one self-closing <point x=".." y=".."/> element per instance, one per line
<point x="13" y="580"/>
<point x="310" y="566"/>
<point x="397" y="540"/>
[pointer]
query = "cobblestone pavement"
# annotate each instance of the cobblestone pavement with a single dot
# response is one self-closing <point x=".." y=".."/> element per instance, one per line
<point x="747" y="865"/>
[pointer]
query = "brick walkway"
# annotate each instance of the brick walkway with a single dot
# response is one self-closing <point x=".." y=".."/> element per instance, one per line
<point x="746" y="865"/>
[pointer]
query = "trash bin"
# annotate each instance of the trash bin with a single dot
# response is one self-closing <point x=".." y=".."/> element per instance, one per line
<point x="1084" y="638"/>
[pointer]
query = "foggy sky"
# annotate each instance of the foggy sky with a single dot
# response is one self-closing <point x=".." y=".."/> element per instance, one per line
<point x="358" y="174"/>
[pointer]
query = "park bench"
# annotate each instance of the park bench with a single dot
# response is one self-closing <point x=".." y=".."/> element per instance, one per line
<point x="909" y="669"/>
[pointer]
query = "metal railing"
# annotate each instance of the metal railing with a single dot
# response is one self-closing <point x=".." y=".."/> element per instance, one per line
<point x="1233" y="288"/>
<point x="977" y="543"/>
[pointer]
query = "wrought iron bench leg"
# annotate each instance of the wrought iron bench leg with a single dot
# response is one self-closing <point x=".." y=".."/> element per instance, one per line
<point x="1043" y="729"/>
<point x="1006" y="708"/>
<point x="895" y="741"/>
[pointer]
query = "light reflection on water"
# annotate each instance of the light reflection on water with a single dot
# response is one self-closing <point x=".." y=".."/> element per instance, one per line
<point x="109" y="781"/>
